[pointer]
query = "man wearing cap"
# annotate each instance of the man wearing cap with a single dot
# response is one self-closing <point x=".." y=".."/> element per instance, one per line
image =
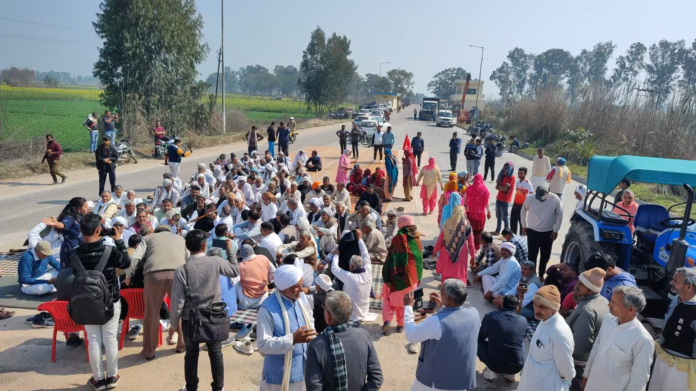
<point x="253" y="137"/>
<point x="558" y="178"/>
<point x="549" y="364"/>
<point x="508" y="271"/>
<point x="174" y="220"/>
<point x="32" y="267"/>
<point x="357" y="281"/>
<point x="501" y="341"/>
<point x="285" y="325"/>
<point x="586" y="320"/>
<point x="166" y="191"/>
<point x="323" y="285"/>
<point x="541" y="219"/>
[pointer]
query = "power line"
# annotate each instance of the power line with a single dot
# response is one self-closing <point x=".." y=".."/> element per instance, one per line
<point x="45" y="39"/>
<point x="44" y="24"/>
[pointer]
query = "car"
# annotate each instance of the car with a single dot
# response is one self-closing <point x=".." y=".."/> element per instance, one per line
<point x="445" y="118"/>
<point x="361" y="118"/>
<point x="379" y="120"/>
<point x="377" y="113"/>
<point x="369" y="127"/>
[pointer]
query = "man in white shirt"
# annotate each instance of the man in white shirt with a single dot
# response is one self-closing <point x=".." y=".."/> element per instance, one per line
<point x="623" y="351"/>
<point x="119" y="196"/>
<point x="166" y="191"/>
<point x="378" y="144"/>
<point x="128" y="212"/>
<point x="42" y="232"/>
<point x="341" y="195"/>
<point x="357" y="282"/>
<point x="270" y="240"/>
<point x="541" y="219"/>
<point x="296" y="210"/>
<point x="541" y="165"/>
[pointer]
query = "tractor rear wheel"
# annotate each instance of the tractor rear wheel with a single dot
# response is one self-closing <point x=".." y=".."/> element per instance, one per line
<point x="580" y="244"/>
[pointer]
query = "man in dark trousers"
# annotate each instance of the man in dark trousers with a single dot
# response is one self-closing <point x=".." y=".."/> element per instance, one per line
<point x="343" y="138"/>
<point x="501" y="341"/>
<point x="253" y="137"/>
<point x="283" y="138"/>
<point x="106" y="157"/>
<point x="348" y="348"/>
<point x="490" y="152"/>
<point x="454" y="146"/>
<point x="271" y="138"/>
<point x="52" y="155"/>
<point x="418" y="145"/>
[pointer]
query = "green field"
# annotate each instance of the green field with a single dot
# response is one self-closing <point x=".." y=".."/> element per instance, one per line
<point x="26" y="113"/>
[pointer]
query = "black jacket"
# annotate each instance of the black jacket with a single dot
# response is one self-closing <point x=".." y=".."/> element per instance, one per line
<point x="490" y="153"/>
<point x="102" y="153"/>
<point x="90" y="255"/>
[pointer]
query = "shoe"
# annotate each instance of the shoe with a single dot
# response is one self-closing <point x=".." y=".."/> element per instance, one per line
<point x="73" y="340"/>
<point x="172" y="339"/>
<point x="54" y="183"/>
<point x="30" y="319"/>
<point x="64" y="179"/>
<point x="380" y="160"/>
<point x="43" y="321"/>
<point x="98" y="385"/>
<point x="413" y="348"/>
<point x="134" y="332"/>
<point x="438" y="277"/>
<point x="244" y="331"/>
<point x="165" y="324"/>
<point x="399" y="329"/>
<point x="510" y="378"/>
<point x="226" y="343"/>
<point x="112" y="382"/>
<point x="489" y="375"/>
<point x="244" y="347"/>
<point x="386" y="326"/>
<point x="374" y="161"/>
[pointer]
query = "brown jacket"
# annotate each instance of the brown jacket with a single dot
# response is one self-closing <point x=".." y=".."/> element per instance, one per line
<point x="163" y="251"/>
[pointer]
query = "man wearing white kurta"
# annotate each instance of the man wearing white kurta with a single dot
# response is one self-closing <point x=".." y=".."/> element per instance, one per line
<point x="285" y="325"/>
<point x="549" y="364"/>
<point x="541" y="165"/>
<point x="622" y="353"/>
<point x="357" y="282"/>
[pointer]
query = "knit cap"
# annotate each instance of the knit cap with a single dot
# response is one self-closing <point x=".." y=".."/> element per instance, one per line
<point x="593" y="279"/>
<point x="549" y="296"/>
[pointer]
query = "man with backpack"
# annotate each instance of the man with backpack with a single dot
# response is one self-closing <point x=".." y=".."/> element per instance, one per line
<point x="95" y="300"/>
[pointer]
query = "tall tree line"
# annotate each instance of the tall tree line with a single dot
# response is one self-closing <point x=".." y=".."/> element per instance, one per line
<point x="258" y="80"/>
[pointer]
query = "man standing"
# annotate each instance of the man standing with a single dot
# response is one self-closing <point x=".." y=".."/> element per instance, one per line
<point x="106" y="157"/>
<point x="253" y="137"/>
<point x="52" y="156"/>
<point x="549" y="364"/>
<point x="523" y="188"/>
<point x="541" y="165"/>
<point x="621" y="332"/>
<point x="271" y="138"/>
<point x="341" y="357"/>
<point x="675" y="366"/>
<point x="343" y="137"/>
<point x="110" y="125"/>
<point x="448" y="340"/>
<point x="470" y="155"/>
<point x="388" y="138"/>
<point x="558" y="178"/>
<point x="586" y="321"/>
<point x="92" y="125"/>
<point x="378" y="144"/>
<point x="285" y="326"/>
<point x="477" y="157"/>
<point x="418" y="146"/>
<point x="489" y="164"/>
<point x="283" y="139"/>
<point x="455" y="144"/>
<point x="541" y="219"/>
<point x="174" y="154"/>
<point x="501" y="341"/>
<point x="357" y="282"/>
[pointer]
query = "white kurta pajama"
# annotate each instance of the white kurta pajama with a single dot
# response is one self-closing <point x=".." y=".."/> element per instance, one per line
<point x="620" y="358"/>
<point x="549" y="364"/>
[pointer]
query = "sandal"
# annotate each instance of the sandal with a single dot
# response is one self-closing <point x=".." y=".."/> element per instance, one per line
<point x="6" y="314"/>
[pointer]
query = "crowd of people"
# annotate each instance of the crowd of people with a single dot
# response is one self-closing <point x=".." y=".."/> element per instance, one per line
<point x="257" y="232"/>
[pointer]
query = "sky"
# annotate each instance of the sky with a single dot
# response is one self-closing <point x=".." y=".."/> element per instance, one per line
<point x="418" y="36"/>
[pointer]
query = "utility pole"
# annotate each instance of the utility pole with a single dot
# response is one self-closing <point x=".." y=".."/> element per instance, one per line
<point x="478" y="89"/>
<point x="222" y="56"/>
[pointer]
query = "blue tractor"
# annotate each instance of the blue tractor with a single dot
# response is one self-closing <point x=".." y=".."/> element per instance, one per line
<point x="664" y="240"/>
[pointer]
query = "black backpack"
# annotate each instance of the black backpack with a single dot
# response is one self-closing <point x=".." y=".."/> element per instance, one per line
<point x="90" y="298"/>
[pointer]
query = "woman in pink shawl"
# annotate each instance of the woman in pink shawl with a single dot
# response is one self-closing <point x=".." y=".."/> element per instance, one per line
<point x="477" y="198"/>
<point x="454" y="246"/>
<point x="343" y="167"/>
<point x="430" y="174"/>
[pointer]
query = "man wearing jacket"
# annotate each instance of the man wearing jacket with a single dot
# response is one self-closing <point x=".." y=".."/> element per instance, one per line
<point x="489" y="164"/>
<point x="454" y="146"/>
<point x="52" y="156"/>
<point x="106" y="157"/>
<point x="418" y="145"/>
<point x="388" y="138"/>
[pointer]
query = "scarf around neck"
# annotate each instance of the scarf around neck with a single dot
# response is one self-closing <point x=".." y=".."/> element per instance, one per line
<point x="285" y="385"/>
<point x="338" y="356"/>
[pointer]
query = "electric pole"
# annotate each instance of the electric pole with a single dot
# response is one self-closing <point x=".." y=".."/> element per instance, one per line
<point x="222" y="56"/>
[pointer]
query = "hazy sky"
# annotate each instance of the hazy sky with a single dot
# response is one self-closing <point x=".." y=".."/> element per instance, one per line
<point x="420" y="36"/>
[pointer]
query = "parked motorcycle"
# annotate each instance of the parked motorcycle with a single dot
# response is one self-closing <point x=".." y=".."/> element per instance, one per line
<point x="125" y="152"/>
<point x="161" y="146"/>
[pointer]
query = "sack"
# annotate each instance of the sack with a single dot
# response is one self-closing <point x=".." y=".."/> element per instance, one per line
<point x="209" y="323"/>
<point x="90" y="297"/>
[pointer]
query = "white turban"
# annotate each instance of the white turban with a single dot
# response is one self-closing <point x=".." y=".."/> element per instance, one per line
<point x="201" y="165"/>
<point x="509" y="246"/>
<point x="287" y="276"/>
<point x="167" y="182"/>
<point x="118" y="220"/>
<point x="200" y="176"/>
<point x="90" y="205"/>
<point x="303" y="224"/>
<point x="324" y="282"/>
<point x="316" y="201"/>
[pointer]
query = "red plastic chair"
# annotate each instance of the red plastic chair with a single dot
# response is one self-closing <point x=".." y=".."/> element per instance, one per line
<point x="136" y="310"/>
<point x="59" y="312"/>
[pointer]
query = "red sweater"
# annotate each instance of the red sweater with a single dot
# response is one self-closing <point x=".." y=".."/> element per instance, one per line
<point x="54" y="147"/>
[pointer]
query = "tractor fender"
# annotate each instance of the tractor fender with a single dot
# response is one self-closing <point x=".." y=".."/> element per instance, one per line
<point x="580" y="243"/>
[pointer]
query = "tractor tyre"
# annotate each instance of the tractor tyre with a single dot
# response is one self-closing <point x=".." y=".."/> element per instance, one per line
<point x="579" y="244"/>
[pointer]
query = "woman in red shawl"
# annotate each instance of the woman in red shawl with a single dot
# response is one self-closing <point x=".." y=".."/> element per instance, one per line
<point x="477" y="198"/>
<point x="355" y="177"/>
<point x="379" y="180"/>
<point x="410" y="172"/>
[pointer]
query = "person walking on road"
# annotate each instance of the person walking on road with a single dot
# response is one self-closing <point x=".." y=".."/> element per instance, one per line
<point x="378" y="144"/>
<point x="478" y="156"/>
<point x="106" y="157"/>
<point x="388" y="139"/>
<point x="489" y="164"/>
<point x="477" y="199"/>
<point x="410" y="171"/>
<point x="92" y="126"/>
<point x="541" y="165"/>
<point x="558" y="178"/>
<point x="343" y="137"/>
<point x="454" y="146"/>
<point x="418" y="146"/>
<point x="283" y="139"/>
<point x="271" y="138"/>
<point x="52" y="156"/>
<point x="253" y="137"/>
<point x="430" y="174"/>
<point x="470" y="155"/>
<point x="110" y="125"/>
<point x="541" y="219"/>
<point x="174" y="154"/>
<point x="415" y="114"/>
<point x="355" y="141"/>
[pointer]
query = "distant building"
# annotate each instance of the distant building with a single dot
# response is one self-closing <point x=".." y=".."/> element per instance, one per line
<point x="384" y="97"/>
<point x="474" y="86"/>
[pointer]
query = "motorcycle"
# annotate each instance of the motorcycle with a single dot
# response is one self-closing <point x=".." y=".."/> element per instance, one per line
<point x="293" y="136"/>
<point x="161" y="146"/>
<point x="365" y="139"/>
<point x="125" y="152"/>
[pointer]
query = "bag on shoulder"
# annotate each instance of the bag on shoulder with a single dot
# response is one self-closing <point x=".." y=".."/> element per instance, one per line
<point x="90" y="297"/>
<point x="209" y="323"/>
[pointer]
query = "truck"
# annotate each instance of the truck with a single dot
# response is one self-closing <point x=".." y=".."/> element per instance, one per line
<point x="429" y="109"/>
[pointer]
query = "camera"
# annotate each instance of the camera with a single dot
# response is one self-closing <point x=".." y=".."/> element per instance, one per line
<point x="107" y="232"/>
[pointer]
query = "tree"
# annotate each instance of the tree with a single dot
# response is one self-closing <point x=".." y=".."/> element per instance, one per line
<point x="688" y="80"/>
<point x="503" y="78"/>
<point x="550" y="68"/>
<point x="288" y="77"/>
<point x="51" y="81"/>
<point x="401" y="81"/>
<point x="520" y="62"/>
<point x="594" y="62"/>
<point x="665" y="59"/>
<point x="17" y="77"/>
<point x="231" y="81"/>
<point x="376" y="83"/>
<point x="628" y="67"/>
<point x="150" y="52"/>
<point x="326" y="71"/>
<point x="257" y="80"/>
<point x="442" y="84"/>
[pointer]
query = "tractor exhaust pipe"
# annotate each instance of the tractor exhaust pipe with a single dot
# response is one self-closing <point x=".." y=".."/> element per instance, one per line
<point x="677" y="256"/>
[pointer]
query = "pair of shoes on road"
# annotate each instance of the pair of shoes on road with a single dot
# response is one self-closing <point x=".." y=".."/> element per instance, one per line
<point x="103" y="384"/>
<point x="247" y="346"/>
<point x="73" y="340"/>
<point x="42" y="320"/>
<point x="134" y="332"/>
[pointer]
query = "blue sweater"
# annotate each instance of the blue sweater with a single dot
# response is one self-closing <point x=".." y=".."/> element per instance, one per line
<point x="388" y="138"/>
<point x="30" y="268"/>
<point x="417" y="144"/>
<point x="283" y="135"/>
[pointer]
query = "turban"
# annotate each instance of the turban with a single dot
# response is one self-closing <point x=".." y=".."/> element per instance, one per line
<point x="118" y="220"/>
<point x="287" y="276"/>
<point x="581" y="189"/>
<point x="509" y="246"/>
<point x="200" y="176"/>
<point x="303" y="224"/>
<point x="404" y="221"/>
<point x="462" y="174"/>
<point x="167" y="182"/>
<point x="315" y="185"/>
<point x="549" y="296"/>
<point x="201" y="165"/>
<point x="324" y="282"/>
<point x="316" y="201"/>
<point x="172" y="213"/>
<point x="247" y="252"/>
<point x="327" y="211"/>
<point x="90" y="205"/>
<point x="561" y="161"/>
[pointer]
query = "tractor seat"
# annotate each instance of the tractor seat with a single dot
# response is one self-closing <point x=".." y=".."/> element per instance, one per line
<point x="647" y="221"/>
<point x="610" y="217"/>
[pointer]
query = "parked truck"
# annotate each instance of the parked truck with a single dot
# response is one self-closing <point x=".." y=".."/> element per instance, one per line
<point x="429" y="109"/>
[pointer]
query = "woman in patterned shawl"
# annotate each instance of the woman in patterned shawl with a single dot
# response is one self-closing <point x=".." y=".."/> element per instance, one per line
<point x="455" y="244"/>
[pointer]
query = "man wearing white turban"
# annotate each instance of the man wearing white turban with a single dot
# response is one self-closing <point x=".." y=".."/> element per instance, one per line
<point x="285" y="326"/>
<point x="508" y="271"/>
<point x="163" y="192"/>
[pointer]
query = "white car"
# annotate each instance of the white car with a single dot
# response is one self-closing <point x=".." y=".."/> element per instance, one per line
<point x="361" y="118"/>
<point x="379" y="120"/>
<point x="377" y="113"/>
<point x="364" y="112"/>
<point x="445" y="118"/>
<point x="369" y="127"/>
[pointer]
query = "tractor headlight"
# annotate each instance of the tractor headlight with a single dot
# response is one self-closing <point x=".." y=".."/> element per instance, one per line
<point x="610" y="234"/>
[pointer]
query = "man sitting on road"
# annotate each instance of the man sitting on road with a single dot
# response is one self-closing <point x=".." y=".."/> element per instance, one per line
<point x="32" y="270"/>
<point x="508" y="271"/>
